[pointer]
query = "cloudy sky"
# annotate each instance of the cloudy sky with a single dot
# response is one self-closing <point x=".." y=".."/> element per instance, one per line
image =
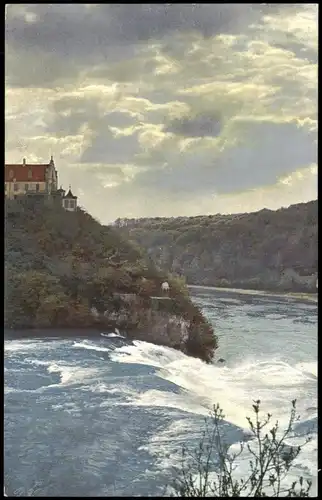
<point x="169" y="109"/>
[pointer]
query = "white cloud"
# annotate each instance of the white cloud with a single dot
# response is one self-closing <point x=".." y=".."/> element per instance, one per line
<point x="193" y="122"/>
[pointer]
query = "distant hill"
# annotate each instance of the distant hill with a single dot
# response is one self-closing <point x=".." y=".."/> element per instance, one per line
<point x="65" y="270"/>
<point x="268" y="250"/>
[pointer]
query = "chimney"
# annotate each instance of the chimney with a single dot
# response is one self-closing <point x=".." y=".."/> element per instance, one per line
<point x="24" y="161"/>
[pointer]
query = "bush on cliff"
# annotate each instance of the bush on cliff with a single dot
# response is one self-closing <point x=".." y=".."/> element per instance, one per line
<point x="59" y="265"/>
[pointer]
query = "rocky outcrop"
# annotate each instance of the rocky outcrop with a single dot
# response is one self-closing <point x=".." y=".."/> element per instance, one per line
<point x="65" y="270"/>
<point x="290" y="279"/>
<point x="150" y="319"/>
<point x="267" y="250"/>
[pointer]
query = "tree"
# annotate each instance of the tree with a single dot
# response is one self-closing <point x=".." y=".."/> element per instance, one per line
<point x="25" y="294"/>
<point x="52" y="311"/>
<point x="209" y="470"/>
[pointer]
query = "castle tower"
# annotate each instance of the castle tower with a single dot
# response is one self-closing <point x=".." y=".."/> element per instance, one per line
<point x="69" y="201"/>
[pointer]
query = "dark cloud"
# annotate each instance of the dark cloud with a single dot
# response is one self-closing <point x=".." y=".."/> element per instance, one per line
<point x="276" y="150"/>
<point x="69" y="114"/>
<point x="106" y="148"/>
<point x="63" y="40"/>
<point x="134" y="22"/>
<point x="266" y="159"/>
<point x="300" y="49"/>
<point x="120" y="119"/>
<point x="200" y="126"/>
<point x="43" y="69"/>
<point x="93" y="33"/>
<point x="67" y="28"/>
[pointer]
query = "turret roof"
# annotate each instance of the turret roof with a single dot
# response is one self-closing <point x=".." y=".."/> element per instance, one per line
<point x="70" y="195"/>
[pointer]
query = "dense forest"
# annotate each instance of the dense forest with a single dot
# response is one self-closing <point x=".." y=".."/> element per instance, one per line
<point x="269" y="250"/>
<point x="66" y="270"/>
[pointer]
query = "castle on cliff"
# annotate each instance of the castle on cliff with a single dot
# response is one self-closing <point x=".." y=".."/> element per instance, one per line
<point x="39" y="181"/>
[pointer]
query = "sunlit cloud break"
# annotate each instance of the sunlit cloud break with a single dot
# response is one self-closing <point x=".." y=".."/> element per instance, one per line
<point x="166" y="109"/>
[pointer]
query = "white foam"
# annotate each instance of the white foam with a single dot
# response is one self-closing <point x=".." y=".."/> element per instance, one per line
<point x="166" y="445"/>
<point x="70" y="375"/>
<point x="165" y="399"/>
<point x="37" y="362"/>
<point x="275" y="316"/>
<point x="273" y="382"/>
<point x="13" y="346"/>
<point x="90" y="346"/>
<point x="101" y="387"/>
<point x="308" y="368"/>
<point x="144" y="353"/>
<point x="10" y="390"/>
<point x="123" y="390"/>
<point x="70" y="407"/>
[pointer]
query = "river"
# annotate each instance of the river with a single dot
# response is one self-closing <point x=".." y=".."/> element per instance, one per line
<point x="104" y="416"/>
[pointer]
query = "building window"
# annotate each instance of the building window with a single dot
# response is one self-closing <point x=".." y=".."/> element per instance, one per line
<point x="70" y="204"/>
<point x="16" y="187"/>
<point x="11" y="174"/>
<point x="29" y="174"/>
<point x="37" y="187"/>
<point x="26" y="187"/>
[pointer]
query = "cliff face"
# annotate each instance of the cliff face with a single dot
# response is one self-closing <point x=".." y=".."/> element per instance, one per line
<point x="64" y="269"/>
<point x="269" y="250"/>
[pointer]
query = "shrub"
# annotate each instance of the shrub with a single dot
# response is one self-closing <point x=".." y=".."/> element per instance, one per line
<point x="179" y="285"/>
<point x="209" y="470"/>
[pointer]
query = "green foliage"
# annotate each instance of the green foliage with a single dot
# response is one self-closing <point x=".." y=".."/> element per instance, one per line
<point x="210" y="469"/>
<point x="179" y="284"/>
<point x="59" y="265"/>
<point x="25" y="292"/>
<point x="243" y="250"/>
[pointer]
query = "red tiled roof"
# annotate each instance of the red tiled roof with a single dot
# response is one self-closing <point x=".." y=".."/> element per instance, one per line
<point x="20" y="173"/>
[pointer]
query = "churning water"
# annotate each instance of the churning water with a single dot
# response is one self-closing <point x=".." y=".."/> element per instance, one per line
<point x="104" y="416"/>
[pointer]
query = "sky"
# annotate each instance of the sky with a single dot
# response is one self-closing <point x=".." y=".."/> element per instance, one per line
<point x="166" y="109"/>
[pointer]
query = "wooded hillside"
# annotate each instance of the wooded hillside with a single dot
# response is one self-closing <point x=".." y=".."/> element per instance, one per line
<point x="272" y="250"/>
